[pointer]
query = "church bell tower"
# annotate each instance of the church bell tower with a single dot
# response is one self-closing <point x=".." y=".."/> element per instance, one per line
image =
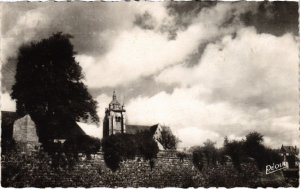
<point x="114" y="120"/>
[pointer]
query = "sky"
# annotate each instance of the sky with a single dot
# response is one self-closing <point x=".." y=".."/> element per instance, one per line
<point x="205" y="69"/>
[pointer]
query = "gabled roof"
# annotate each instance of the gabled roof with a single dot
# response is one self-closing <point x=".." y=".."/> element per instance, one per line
<point x="133" y="129"/>
<point x="61" y="129"/>
<point x="70" y="130"/>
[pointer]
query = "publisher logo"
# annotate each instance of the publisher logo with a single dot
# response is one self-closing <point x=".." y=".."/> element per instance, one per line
<point x="274" y="167"/>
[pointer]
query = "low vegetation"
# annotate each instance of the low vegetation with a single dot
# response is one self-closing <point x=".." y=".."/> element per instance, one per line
<point x="251" y="149"/>
<point x="121" y="147"/>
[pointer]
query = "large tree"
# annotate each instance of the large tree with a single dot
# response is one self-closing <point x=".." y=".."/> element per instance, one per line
<point x="49" y="86"/>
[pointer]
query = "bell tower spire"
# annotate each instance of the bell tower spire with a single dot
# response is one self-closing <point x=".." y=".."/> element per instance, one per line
<point x="114" y="120"/>
<point x="114" y="95"/>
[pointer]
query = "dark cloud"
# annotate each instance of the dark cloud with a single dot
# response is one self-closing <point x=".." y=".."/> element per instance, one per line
<point x="183" y="14"/>
<point x="14" y="11"/>
<point x="184" y="11"/>
<point x="85" y="21"/>
<point x="145" y="21"/>
<point x="276" y="18"/>
<point x="8" y="75"/>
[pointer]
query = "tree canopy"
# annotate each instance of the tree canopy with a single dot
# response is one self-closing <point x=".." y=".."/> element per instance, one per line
<point x="205" y="154"/>
<point x="49" y="85"/>
<point x="249" y="150"/>
<point x="252" y="147"/>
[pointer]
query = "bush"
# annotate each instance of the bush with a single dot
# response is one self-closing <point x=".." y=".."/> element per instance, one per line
<point x="121" y="147"/>
<point x="147" y="146"/>
<point x="82" y="144"/>
<point x="206" y="154"/>
<point x="117" y="148"/>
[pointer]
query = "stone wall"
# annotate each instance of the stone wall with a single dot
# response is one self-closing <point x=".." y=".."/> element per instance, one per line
<point x="94" y="173"/>
<point x="167" y="172"/>
<point x="20" y="170"/>
<point x="25" y="130"/>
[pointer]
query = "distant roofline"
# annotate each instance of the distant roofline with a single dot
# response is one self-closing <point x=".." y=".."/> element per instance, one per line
<point x="150" y="125"/>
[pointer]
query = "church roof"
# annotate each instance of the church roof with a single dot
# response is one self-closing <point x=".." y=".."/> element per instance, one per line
<point x="71" y="130"/>
<point x="133" y="129"/>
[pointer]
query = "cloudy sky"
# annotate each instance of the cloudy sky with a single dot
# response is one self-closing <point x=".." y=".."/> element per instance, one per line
<point x="205" y="69"/>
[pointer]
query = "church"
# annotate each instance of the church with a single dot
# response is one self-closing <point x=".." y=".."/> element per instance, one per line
<point x="115" y="122"/>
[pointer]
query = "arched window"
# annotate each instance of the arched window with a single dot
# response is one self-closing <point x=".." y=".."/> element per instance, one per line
<point x="118" y="119"/>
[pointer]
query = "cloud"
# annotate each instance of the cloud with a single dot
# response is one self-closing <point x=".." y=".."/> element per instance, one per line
<point x="194" y="120"/>
<point x="139" y="52"/>
<point x="8" y="75"/>
<point x="185" y="110"/>
<point x="90" y="129"/>
<point x="276" y="18"/>
<point x="242" y="84"/>
<point x="132" y="56"/>
<point x="145" y="21"/>
<point x="244" y="69"/>
<point x="7" y="104"/>
<point x="103" y="101"/>
<point x="109" y="43"/>
<point x="192" y="136"/>
<point x="93" y="31"/>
